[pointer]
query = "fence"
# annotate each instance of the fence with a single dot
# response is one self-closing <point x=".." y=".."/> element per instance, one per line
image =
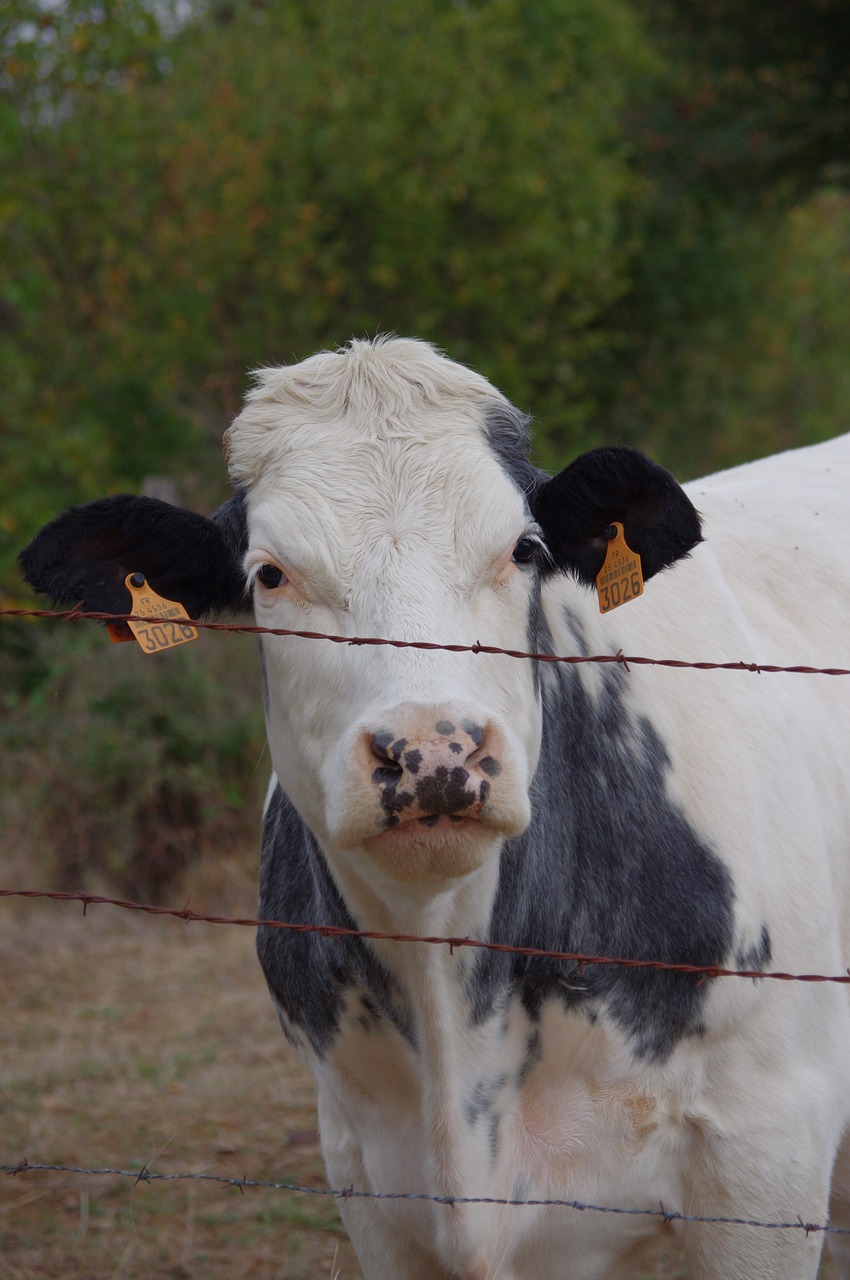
<point x="706" y="973"/>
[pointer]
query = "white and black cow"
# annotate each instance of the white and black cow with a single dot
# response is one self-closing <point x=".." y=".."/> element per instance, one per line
<point x="674" y="815"/>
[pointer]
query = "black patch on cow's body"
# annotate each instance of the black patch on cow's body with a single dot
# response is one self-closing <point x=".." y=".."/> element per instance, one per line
<point x="576" y="629"/>
<point x="539" y="636"/>
<point x="483" y="1098"/>
<point x="490" y="766"/>
<point x="482" y="1105"/>
<point x="473" y="731"/>
<point x="493" y="1135"/>
<point x="756" y="958"/>
<point x="310" y="975"/>
<point x="608" y="866"/>
<point x="264" y="682"/>
<point x="533" y="1055"/>
<point x="413" y="761"/>
<point x="445" y="728"/>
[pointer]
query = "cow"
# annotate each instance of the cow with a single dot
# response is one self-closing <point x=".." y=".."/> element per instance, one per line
<point x="689" y="817"/>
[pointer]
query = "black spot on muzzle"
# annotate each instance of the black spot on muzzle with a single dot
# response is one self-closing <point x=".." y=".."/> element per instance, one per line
<point x="445" y="791"/>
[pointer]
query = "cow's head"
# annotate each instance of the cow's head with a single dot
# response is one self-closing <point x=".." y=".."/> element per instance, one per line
<point x="383" y="491"/>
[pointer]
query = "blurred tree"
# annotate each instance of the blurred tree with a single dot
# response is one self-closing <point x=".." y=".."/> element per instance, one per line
<point x="185" y="203"/>
<point x="763" y="90"/>
<point x="749" y="114"/>
<point x="66" y="403"/>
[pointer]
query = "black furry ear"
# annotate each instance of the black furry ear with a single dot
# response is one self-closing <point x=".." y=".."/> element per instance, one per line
<point x="575" y="509"/>
<point x="85" y="554"/>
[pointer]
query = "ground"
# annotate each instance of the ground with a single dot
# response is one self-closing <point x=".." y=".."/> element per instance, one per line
<point x="129" y="1041"/>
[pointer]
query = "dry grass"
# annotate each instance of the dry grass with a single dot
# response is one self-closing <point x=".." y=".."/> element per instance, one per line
<point x="130" y="1041"/>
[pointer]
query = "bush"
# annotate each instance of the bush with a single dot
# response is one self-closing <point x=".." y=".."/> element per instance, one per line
<point x="123" y="769"/>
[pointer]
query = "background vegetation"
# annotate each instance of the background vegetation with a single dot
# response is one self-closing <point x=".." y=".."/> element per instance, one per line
<point x="630" y="214"/>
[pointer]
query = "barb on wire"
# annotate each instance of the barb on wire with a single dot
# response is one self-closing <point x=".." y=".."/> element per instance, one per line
<point x="351" y="1193"/>
<point x="621" y="659"/>
<point x="341" y="931"/>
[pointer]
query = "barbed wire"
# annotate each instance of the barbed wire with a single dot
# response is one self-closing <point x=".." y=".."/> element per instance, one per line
<point x="334" y="931"/>
<point x="351" y="1193"/>
<point x="624" y="660"/>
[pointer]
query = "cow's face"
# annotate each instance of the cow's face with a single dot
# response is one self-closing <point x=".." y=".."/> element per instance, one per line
<point x="383" y="491"/>
<point x="374" y="513"/>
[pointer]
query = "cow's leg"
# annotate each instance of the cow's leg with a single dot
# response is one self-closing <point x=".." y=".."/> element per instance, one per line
<point x="784" y="1178"/>
<point x="717" y="1253"/>
<point x="839" y="1211"/>
<point x="384" y="1250"/>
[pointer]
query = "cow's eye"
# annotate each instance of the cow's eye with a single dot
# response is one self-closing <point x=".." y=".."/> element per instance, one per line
<point x="270" y="576"/>
<point x="525" y="551"/>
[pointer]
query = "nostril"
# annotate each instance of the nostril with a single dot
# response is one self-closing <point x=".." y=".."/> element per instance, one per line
<point x="481" y="759"/>
<point x="387" y="775"/>
<point x="385" y="751"/>
<point x="439" y="749"/>
<point x="380" y="743"/>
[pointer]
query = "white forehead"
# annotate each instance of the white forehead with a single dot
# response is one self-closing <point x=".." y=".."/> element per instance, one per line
<point x="382" y="438"/>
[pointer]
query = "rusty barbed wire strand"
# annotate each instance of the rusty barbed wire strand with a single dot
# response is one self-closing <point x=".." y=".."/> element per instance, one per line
<point x="625" y="660"/>
<point x="334" y="931"/>
<point x="351" y="1193"/>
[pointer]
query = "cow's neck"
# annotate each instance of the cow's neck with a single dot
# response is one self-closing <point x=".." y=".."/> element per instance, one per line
<point x="448" y="1050"/>
<point x="452" y="908"/>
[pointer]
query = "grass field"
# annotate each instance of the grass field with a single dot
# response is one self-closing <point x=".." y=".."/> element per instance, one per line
<point x="128" y="1041"/>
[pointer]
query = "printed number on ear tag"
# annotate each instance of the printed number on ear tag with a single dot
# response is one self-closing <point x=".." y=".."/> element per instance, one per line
<point x="163" y="633"/>
<point x="620" y="579"/>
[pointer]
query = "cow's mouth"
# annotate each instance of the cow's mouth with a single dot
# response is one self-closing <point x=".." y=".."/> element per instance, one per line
<point x="441" y="823"/>
<point x="435" y="819"/>
<point x="431" y="829"/>
<point x="433" y="845"/>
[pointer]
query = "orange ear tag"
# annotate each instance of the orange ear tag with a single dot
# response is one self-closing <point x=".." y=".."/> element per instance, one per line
<point x="162" y="634"/>
<point x="620" y="579"/>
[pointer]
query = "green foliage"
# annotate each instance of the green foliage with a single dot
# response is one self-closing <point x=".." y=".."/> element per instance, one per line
<point x="748" y="113"/>
<point x="131" y="767"/>
<point x="273" y="179"/>
<point x="761" y="93"/>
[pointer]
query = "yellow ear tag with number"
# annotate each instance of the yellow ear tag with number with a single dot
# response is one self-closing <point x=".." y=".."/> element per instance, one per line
<point x="620" y="579"/>
<point x="153" y="637"/>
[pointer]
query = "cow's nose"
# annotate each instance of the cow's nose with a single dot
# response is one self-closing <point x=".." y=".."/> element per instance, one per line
<point x="461" y="748"/>
<point x="416" y="764"/>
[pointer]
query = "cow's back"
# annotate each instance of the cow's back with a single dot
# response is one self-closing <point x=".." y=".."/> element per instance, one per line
<point x="779" y="529"/>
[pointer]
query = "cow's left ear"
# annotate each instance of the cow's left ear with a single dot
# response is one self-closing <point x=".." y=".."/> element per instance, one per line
<point x="575" y="508"/>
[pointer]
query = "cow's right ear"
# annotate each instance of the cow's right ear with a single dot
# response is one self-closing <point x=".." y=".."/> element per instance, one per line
<point x="84" y="555"/>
